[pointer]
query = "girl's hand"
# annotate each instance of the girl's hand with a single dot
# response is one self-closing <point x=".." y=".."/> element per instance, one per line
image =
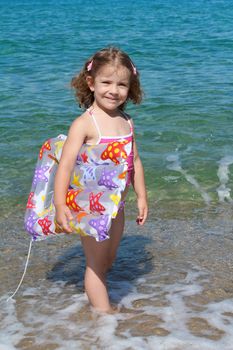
<point x="142" y="211"/>
<point x="63" y="216"/>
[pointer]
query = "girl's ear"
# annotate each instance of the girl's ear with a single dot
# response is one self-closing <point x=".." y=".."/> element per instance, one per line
<point x="90" y="82"/>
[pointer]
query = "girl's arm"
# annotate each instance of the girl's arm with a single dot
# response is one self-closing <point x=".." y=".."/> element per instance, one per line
<point x="74" y="141"/>
<point x="139" y="187"/>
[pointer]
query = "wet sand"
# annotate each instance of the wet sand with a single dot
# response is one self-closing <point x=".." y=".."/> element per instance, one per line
<point x="172" y="280"/>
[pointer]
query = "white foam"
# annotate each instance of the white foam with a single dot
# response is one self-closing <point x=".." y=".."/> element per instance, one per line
<point x="176" y="315"/>
<point x="171" y="178"/>
<point x="60" y="315"/>
<point x="223" y="175"/>
<point x="12" y="330"/>
<point x="176" y="166"/>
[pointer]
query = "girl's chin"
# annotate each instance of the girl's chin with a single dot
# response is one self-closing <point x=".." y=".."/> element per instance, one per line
<point x="109" y="105"/>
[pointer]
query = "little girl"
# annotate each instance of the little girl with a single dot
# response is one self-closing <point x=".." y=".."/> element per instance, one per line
<point x="104" y="141"/>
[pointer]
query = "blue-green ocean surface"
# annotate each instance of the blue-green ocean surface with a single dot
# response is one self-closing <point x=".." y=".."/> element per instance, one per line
<point x="184" y="53"/>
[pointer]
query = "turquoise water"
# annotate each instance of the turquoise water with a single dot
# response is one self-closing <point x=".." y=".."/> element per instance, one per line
<point x="183" y="51"/>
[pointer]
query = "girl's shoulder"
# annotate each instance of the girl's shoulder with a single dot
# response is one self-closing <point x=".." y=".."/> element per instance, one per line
<point x="82" y="119"/>
<point x="81" y="122"/>
<point x="82" y="127"/>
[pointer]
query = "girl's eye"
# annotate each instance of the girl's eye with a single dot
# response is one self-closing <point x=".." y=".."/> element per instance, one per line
<point x="106" y="82"/>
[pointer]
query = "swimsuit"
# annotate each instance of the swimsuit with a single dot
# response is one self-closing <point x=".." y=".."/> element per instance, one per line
<point x="100" y="176"/>
<point x="112" y="139"/>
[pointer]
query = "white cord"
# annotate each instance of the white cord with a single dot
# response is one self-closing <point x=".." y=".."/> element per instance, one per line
<point x="25" y="269"/>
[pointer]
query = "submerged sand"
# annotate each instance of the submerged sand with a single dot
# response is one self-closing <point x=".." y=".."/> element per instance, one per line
<point x="172" y="280"/>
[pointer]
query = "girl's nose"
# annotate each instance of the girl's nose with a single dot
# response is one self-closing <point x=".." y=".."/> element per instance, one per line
<point x="114" y="89"/>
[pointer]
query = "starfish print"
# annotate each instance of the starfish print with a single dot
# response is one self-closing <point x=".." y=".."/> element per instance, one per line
<point x="46" y="210"/>
<point x="106" y="179"/>
<point x="88" y="174"/>
<point x="39" y="174"/>
<point x="59" y="145"/>
<point x="81" y="215"/>
<point x="76" y="181"/>
<point x="53" y="158"/>
<point x="77" y="230"/>
<point x="45" y="225"/>
<point x="122" y="175"/>
<point x="95" y="204"/>
<point x="78" y="159"/>
<point x="29" y="224"/>
<point x="115" y="198"/>
<point x="100" y="225"/>
<point x="30" y="205"/>
<point x="71" y="200"/>
<point x="84" y="157"/>
<point x="115" y="150"/>
<point x="45" y="146"/>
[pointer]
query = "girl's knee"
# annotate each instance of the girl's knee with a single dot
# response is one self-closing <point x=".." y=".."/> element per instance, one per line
<point x="99" y="267"/>
<point x="111" y="260"/>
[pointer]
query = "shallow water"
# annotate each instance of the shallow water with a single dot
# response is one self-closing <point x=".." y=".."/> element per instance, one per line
<point x="172" y="280"/>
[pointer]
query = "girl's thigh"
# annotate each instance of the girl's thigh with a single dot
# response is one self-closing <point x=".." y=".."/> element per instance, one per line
<point x="115" y="233"/>
<point x="102" y="253"/>
<point x="96" y="253"/>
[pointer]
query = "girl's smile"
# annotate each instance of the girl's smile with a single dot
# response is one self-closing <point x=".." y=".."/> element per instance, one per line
<point x="110" y="86"/>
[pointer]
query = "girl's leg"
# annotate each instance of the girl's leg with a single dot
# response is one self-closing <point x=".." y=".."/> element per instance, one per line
<point x="116" y="232"/>
<point x="99" y="258"/>
<point x="96" y="264"/>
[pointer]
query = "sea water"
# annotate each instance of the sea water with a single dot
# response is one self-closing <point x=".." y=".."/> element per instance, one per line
<point x="172" y="279"/>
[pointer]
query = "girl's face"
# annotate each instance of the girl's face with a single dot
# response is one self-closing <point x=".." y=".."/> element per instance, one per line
<point x="110" y="86"/>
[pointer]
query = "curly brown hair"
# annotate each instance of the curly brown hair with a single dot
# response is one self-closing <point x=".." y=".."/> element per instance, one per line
<point x="105" y="56"/>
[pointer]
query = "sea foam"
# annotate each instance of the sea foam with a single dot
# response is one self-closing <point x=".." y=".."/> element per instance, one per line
<point x="163" y="316"/>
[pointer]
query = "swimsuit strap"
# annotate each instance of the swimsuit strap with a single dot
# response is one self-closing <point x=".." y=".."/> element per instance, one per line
<point x="97" y="126"/>
<point x="95" y="122"/>
<point x="130" y="124"/>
